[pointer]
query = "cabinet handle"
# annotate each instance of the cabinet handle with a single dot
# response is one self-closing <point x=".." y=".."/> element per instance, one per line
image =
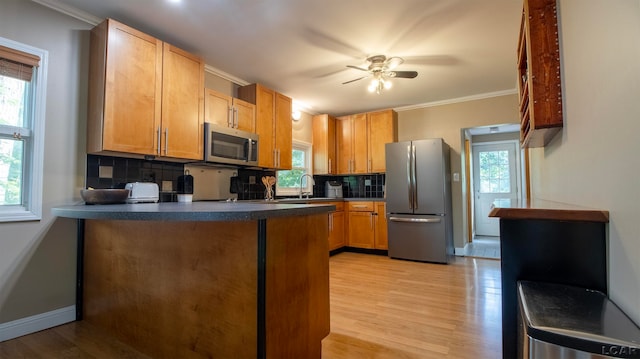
<point x="237" y="121"/>
<point x="158" y="134"/>
<point x="230" y="117"/>
<point x="166" y="140"/>
<point x="329" y="169"/>
<point x="275" y="157"/>
<point x="234" y="118"/>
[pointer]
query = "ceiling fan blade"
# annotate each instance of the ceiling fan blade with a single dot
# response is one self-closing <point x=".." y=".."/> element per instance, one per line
<point x="356" y="67"/>
<point x="406" y="74"/>
<point x="354" y="80"/>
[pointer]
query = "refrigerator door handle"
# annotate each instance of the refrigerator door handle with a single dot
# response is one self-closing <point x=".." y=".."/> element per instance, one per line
<point x="415" y="220"/>
<point x="409" y="181"/>
<point x="414" y="200"/>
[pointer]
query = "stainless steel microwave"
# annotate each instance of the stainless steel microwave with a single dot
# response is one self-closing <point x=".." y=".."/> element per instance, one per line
<point x="230" y="145"/>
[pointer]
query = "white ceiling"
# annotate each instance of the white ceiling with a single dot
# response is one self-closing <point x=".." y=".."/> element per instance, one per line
<point x="460" y="48"/>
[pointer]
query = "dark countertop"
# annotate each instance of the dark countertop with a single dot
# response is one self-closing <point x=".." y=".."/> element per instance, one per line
<point x="324" y="199"/>
<point x="193" y="211"/>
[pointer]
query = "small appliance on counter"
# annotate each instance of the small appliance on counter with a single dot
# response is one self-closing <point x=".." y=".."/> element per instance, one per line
<point x="185" y="187"/>
<point x="333" y="189"/>
<point x="142" y="192"/>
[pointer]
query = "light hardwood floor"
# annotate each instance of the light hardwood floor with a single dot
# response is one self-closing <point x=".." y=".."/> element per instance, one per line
<point x="380" y="308"/>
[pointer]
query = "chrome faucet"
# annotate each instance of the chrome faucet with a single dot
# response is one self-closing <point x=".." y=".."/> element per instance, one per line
<point x="312" y="183"/>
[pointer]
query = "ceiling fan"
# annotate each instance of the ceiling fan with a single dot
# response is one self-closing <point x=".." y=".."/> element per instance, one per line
<point x="381" y="68"/>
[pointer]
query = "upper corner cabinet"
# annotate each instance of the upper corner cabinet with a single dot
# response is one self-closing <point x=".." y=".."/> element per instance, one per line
<point x="273" y="125"/>
<point x="539" y="77"/>
<point x="146" y="97"/>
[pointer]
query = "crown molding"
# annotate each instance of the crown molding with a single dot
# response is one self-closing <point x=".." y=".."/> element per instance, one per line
<point x="236" y="80"/>
<point x="481" y="96"/>
<point x="71" y="11"/>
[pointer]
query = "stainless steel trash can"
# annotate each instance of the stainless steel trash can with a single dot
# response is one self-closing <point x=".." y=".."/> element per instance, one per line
<point x="560" y="321"/>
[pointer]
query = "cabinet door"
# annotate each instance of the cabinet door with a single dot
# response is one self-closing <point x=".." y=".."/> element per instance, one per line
<point x="265" y="101"/>
<point x="361" y="229"/>
<point x="217" y="108"/>
<point x="336" y="230"/>
<point x="245" y="116"/>
<point x="324" y="144"/>
<point x="380" y="240"/>
<point x="182" y="104"/>
<point x="382" y="130"/>
<point x="283" y="131"/>
<point x="132" y="91"/>
<point x="359" y="163"/>
<point x="344" y="145"/>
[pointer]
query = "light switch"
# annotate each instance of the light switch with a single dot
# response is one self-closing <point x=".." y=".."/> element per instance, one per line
<point x="456" y="177"/>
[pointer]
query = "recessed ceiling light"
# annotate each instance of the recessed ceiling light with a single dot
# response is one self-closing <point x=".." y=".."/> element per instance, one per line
<point x="175" y="1"/>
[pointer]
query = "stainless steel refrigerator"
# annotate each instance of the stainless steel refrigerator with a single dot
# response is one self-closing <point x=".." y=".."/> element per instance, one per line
<point x="418" y="196"/>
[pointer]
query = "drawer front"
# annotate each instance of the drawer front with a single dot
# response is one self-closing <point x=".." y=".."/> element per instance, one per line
<point x="360" y="206"/>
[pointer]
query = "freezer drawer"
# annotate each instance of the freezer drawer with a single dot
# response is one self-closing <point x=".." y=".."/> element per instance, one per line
<point x="419" y="238"/>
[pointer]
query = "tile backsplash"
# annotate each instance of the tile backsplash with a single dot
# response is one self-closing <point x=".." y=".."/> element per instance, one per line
<point x="355" y="186"/>
<point x="115" y="172"/>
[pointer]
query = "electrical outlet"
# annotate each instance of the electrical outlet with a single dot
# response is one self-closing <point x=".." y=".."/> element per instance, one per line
<point x="105" y="172"/>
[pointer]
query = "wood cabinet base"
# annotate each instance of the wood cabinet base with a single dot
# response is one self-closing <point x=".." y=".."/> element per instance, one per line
<point x="245" y="289"/>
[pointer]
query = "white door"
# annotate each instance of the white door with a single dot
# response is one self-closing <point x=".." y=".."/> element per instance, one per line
<point x="494" y="176"/>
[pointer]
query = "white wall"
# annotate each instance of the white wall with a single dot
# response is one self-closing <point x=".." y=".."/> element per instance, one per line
<point x="594" y="161"/>
<point x="37" y="259"/>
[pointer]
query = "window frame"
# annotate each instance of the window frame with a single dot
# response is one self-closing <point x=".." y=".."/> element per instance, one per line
<point x="308" y="149"/>
<point x="33" y="160"/>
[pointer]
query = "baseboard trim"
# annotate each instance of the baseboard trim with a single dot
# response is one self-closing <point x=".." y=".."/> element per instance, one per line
<point x="36" y="323"/>
<point x="461" y="252"/>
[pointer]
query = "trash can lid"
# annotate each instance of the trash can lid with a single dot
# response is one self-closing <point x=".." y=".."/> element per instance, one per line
<point x="577" y="318"/>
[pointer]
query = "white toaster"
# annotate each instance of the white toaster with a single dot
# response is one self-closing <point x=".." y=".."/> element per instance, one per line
<point x="142" y="192"/>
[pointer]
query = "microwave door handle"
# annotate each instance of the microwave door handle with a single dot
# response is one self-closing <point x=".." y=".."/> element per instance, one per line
<point x="250" y="149"/>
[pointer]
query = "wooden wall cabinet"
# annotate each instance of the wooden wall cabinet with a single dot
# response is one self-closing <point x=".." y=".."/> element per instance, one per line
<point x="146" y="97"/>
<point x="225" y="110"/>
<point x="539" y="77"/>
<point x="324" y="145"/>
<point x="382" y="129"/>
<point x="273" y="125"/>
<point x="360" y="141"/>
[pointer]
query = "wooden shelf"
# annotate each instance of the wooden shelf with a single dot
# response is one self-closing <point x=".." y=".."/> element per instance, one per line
<point x="539" y="78"/>
<point x="541" y="209"/>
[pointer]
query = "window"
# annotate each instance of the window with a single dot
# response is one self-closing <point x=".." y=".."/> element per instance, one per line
<point x="288" y="183"/>
<point x="22" y="103"/>
<point x="495" y="172"/>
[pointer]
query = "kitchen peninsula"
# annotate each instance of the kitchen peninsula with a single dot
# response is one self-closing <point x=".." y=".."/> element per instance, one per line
<point x="206" y="279"/>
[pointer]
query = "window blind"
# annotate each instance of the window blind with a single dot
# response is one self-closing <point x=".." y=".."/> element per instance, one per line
<point x="17" y="64"/>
